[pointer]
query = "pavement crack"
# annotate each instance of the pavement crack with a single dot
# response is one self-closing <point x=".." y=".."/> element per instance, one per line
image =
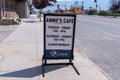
<point x="2" y="57"/>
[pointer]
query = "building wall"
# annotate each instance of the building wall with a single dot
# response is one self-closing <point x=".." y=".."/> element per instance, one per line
<point x="9" y="10"/>
<point x="27" y="9"/>
<point x="11" y="15"/>
<point x="15" y="8"/>
<point x="75" y="10"/>
<point x="23" y="9"/>
<point x="78" y="10"/>
<point x="20" y="9"/>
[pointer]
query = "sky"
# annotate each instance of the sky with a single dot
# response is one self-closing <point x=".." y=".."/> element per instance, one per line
<point x="102" y="4"/>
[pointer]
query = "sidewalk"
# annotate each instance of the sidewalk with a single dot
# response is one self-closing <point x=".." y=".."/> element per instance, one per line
<point x="21" y="54"/>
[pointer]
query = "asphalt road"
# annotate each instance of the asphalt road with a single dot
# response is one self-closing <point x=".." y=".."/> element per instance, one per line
<point x="99" y="39"/>
<point x="5" y="31"/>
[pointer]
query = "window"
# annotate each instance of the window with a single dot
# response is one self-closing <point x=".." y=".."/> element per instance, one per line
<point x="6" y="4"/>
<point x="9" y="5"/>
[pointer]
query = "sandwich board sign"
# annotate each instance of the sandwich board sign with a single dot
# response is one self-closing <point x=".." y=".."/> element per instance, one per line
<point x="59" y="31"/>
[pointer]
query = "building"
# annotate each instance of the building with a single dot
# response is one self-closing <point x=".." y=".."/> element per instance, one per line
<point x="33" y="10"/>
<point x="76" y="8"/>
<point x="59" y="10"/>
<point x="23" y="8"/>
<point x="14" y="9"/>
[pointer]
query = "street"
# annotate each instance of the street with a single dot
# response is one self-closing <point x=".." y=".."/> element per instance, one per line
<point x="98" y="38"/>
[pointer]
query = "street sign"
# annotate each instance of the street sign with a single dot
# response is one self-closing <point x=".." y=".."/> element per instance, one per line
<point x="59" y="31"/>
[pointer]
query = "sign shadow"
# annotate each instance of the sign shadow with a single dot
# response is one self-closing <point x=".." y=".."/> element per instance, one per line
<point x="32" y="72"/>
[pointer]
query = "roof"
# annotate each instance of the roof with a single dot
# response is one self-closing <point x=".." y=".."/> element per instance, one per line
<point x="77" y="5"/>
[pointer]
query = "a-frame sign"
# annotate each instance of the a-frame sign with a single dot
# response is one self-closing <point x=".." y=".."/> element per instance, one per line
<point x="59" y="33"/>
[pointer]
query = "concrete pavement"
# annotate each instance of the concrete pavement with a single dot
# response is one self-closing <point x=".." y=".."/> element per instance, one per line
<point x="5" y="31"/>
<point x="21" y="55"/>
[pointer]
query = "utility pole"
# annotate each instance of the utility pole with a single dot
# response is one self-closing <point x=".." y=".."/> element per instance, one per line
<point x="82" y="5"/>
<point x="99" y="7"/>
<point x="40" y="14"/>
<point x="95" y="1"/>
<point x="3" y="8"/>
<point x="65" y="7"/>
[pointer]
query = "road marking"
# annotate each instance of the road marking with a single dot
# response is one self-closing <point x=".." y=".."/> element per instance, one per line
<point x="101" y="22"/>
<point x="104" y="32"/>
<point x="103" y="75"/>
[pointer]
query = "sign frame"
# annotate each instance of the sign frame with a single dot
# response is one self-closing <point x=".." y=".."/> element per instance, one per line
<point x="44" y="58"/>
<point x="73" y="35"/>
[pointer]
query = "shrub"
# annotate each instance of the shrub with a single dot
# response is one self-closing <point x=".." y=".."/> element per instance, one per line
<point x="105" y="13"/>
<point x="109" y="13"/>
<point x="93" y="12"/>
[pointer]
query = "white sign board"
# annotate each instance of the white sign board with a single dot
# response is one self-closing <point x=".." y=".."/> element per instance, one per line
<point x="59" y="34"/>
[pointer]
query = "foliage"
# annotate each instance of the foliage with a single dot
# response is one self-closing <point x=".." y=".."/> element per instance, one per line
<point x="109" y="13"/>
<point x="115" y="5"/>
<point x="92" y="12"/>
<point x="105" y="13"/>
<point x="39" y="15"/>
<point x="40" y="4"/>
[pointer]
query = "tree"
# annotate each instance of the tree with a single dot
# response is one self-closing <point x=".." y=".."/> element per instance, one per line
<point x="40" y="4"/>
<point x="92" y="12"/>
<point x="114" y="5"/>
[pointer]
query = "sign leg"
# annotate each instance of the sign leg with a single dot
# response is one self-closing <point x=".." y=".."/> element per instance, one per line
<point x="75" y="69"/>
<point x="45" y="61"/>
<point x="43" y="68"/>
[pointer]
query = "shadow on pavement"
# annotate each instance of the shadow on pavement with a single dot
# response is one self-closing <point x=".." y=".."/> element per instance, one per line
<point x="32" y="72"/>
<point x="32" y="21"/>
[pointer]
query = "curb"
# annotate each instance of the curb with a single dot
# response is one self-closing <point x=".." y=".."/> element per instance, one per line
<point x="100" y="71"/>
